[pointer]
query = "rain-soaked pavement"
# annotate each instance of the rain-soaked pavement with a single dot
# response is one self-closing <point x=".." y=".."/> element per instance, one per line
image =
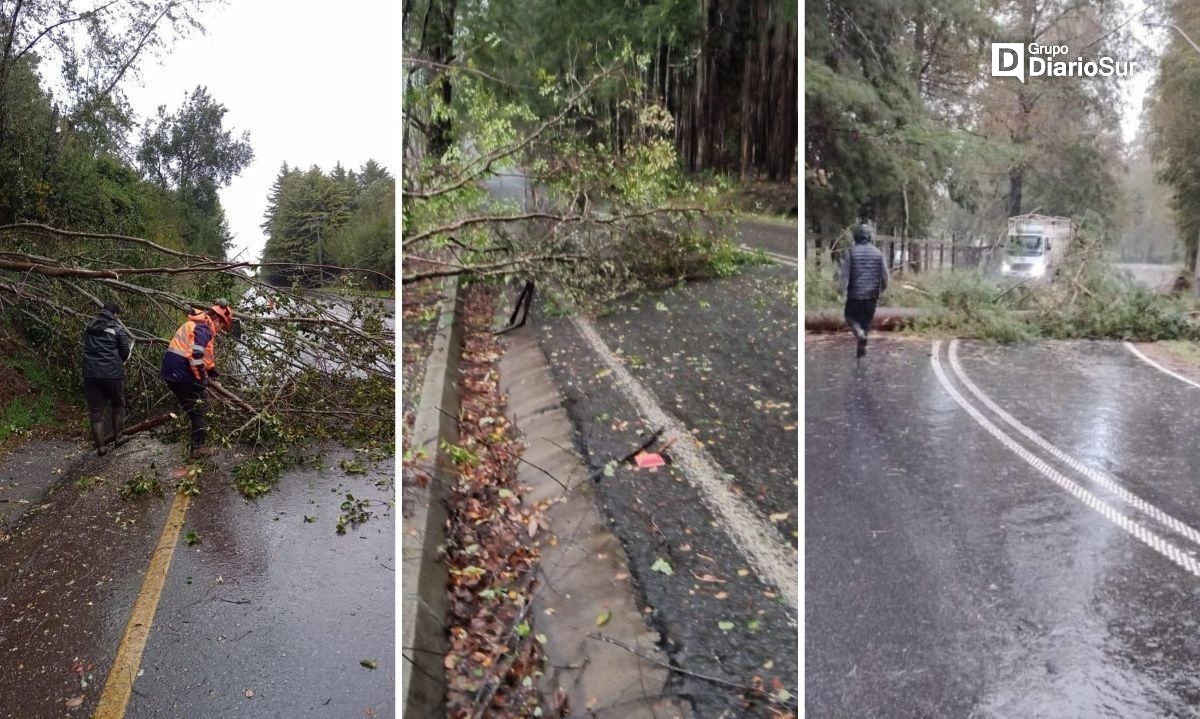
<point x="269" y="614"/>
<point x="720" y="358"/>
<point x="1043" y="565"/>
<point x="1160" y="278"/>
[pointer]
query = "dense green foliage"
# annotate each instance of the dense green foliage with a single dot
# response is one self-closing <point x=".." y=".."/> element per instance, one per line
<point x="1174" y="142"/>
<point x="906" y="127"/>
<point x="342" y="218"/>
<point x="64" y="155"/>
<point x="571" y="177"/>
<point x="725" y="70"/>
<point x="191" y="155"/>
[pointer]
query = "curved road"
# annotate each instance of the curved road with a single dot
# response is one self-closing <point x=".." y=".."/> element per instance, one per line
<point x="1000" y="531"/>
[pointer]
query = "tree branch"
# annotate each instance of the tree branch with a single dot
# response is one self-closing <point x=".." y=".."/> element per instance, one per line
<point x="501" y="153"/>
<point x="560" y="219"/>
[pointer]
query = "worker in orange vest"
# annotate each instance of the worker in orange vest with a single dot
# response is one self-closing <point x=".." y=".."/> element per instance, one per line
<point x="189" y="362"/>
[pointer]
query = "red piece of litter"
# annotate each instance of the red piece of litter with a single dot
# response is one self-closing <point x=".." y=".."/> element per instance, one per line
<point x="646" y="460"/>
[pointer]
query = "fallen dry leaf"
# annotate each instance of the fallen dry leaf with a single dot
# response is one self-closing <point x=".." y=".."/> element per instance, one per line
<point x="76" y="702"/>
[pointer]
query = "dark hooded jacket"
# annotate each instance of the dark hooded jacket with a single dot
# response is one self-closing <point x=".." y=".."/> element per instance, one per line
<point x="106" y="347"/>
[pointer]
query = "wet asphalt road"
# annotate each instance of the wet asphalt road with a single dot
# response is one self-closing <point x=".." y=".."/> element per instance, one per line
<point x="1156" y="277"/>
<point x="777" y="237"/>
<point x="264" y="602"/>
<point x="720" y="357"/>
<point x="946" y="576"/>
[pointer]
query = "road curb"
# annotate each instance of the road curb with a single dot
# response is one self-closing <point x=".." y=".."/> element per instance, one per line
<point x="423" y="575"/>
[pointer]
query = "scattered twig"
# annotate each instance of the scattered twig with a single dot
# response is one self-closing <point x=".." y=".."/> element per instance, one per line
<point x="744" y="688"/>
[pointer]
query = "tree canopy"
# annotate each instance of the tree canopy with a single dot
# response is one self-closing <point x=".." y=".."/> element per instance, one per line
<point x="905" y="125"/>
<point x="342" y="218"/>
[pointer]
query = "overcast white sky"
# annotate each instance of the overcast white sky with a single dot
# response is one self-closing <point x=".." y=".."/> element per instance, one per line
<point x="1137" y="86"/>
<point x="314" y="84"/>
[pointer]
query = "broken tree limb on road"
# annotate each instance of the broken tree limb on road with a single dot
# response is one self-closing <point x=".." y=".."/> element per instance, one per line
<point x="142" y="426"/>
<point x="533" y="198"/>
<point x="886" y="318"/>
<point x="308" y="363"/>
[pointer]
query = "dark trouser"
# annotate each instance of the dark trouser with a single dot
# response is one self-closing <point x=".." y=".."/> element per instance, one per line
<point x="102" y="394"/>
<point x="191" y="396"/>
<point x="860" y="312"/>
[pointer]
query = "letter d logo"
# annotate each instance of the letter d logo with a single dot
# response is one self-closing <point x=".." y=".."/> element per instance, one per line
<point x="1008" y="60"/>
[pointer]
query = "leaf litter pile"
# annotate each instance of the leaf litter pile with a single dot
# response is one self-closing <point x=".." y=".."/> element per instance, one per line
<point x="494" y="655"/>
<point x="420" y="304"/>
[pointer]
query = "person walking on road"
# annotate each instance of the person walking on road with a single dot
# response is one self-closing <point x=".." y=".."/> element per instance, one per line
<point x="107" y="347"/>
<point x="863" y="278"/>
<point x="188" y="364"/>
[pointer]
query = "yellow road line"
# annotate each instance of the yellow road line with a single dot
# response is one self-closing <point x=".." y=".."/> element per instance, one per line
<point x="117" y="688"/>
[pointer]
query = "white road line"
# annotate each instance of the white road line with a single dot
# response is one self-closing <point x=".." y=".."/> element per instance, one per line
<point x="1101" y="478"/>
<point x="1133" y="528"/>
<point x="1129" y="346"/>
<point x="757" y="540"/>
<point x="780" y="258"/>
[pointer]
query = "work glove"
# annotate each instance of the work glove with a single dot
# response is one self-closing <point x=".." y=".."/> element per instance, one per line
<point x="214" y="373"/>
<point x="202" y="383"/>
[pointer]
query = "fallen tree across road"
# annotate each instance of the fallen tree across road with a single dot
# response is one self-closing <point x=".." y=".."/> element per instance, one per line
<point x="886" y="318"/>
<point x="304" y="366"/>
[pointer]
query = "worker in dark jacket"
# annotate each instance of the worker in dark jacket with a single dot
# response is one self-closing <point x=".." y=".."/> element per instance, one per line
<point x="189" y="362"/>
<point x="106" y="348"/>
<point x="864" y="277"/>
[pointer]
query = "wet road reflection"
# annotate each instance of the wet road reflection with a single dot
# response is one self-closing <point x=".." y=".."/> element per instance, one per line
<point x="946" y="576"/>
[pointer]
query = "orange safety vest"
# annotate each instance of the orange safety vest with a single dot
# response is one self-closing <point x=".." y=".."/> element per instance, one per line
<point x="184" y="344"/>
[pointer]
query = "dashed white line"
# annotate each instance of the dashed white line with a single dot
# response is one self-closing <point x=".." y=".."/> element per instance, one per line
<point x="1101" y="478"/>
<point x="776" y="256"/>
<point x="754" y="537"/>
<point x="1133" y="528"/>
<point x="1129" y="346"/>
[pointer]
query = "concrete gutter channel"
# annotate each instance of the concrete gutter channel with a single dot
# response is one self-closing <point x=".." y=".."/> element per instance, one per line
<point x="423" y="525"/>
<point x="584" y="572"/>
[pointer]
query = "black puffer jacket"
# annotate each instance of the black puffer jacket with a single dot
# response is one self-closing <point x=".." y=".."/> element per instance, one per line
<point x="106" y="347"/>
<point x="864" y="275"/>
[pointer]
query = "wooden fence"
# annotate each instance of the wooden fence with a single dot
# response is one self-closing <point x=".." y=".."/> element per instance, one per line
<point x="908" y="255"/>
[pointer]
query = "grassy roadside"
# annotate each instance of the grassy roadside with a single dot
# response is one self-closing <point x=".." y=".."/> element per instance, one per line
<point x="762" y="200"/>
<point x="32" y="400"/>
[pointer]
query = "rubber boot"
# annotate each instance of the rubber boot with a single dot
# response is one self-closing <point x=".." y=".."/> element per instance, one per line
<point x="98" y="437"/>
<point x="202" y="452"/>
<point x="118" y="419"/>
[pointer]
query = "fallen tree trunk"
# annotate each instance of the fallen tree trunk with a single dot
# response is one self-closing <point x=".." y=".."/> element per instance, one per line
<point x="142" y="426"/>
<point x="230" y="397"/>
<point x="886" y="318"/>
